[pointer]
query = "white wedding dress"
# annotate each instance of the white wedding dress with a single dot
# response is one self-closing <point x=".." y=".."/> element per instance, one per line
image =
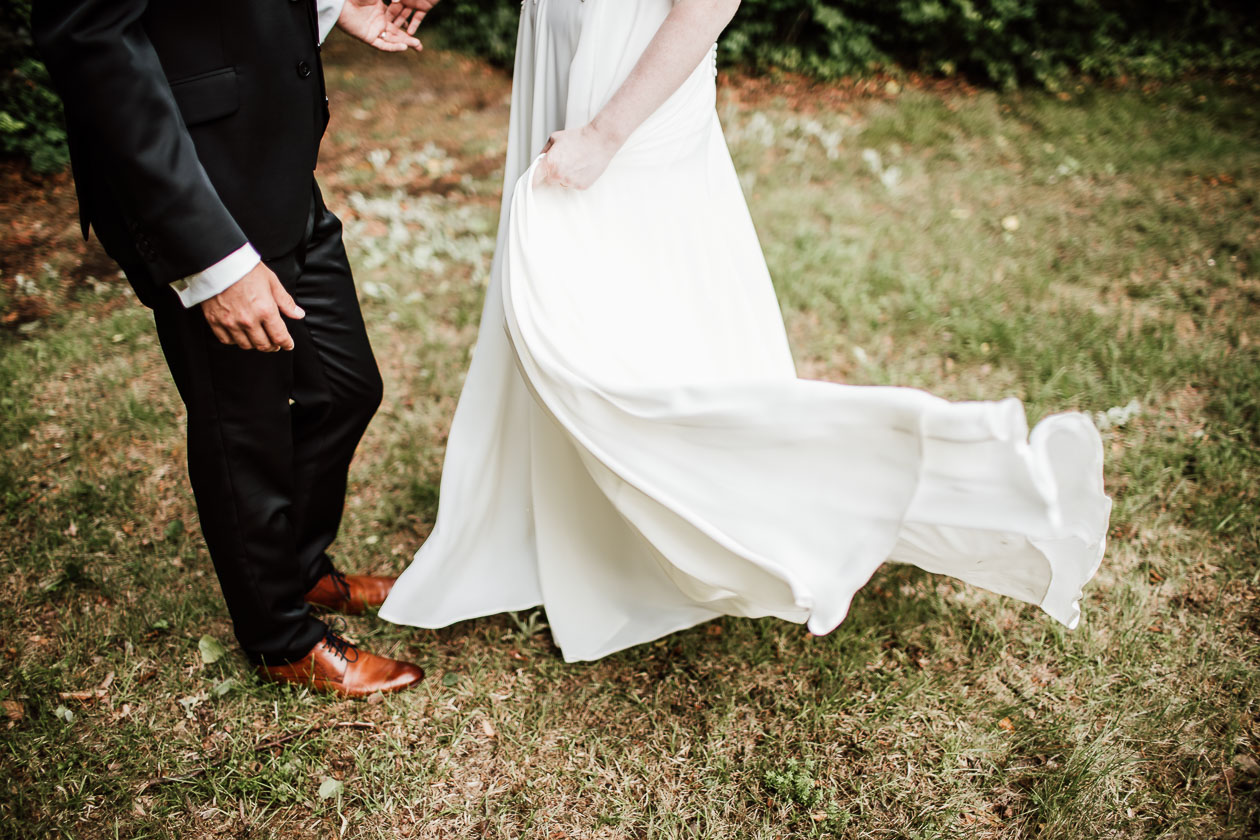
<point x="632" y="448"/>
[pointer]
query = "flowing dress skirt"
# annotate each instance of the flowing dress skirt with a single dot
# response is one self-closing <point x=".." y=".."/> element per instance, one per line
<point x="633" y="449"/>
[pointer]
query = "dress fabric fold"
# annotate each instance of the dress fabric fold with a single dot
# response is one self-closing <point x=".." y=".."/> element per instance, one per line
<point x="632" y="448"/>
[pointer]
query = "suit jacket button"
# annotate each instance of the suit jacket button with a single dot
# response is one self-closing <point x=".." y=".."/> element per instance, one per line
<point x="303" y="69"/>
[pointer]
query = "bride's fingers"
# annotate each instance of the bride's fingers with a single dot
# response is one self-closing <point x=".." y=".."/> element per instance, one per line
<point x="395" y="17"/>
<point x="403" y="18"/>
<point x="406" y="17"/>
<point x="546" y="173"/>
<point x="407" y="22"/>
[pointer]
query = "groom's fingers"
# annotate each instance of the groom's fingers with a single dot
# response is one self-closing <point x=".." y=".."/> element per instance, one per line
<point x="275" y="333"/>
<point x="240" y="338"/>
<point x="258" y="337"/>
<point x="223" y="335"/>
<point x="401" y="35"/>
<point x="284" y="301"/>
<point x="385" y="44"/>
<point x="395" y="40"/>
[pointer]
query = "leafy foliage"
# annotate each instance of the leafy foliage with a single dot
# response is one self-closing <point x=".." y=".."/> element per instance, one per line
<point x="999" y="42"/>
<point x="1004" y="43"/>
<point x="31" y="124"/>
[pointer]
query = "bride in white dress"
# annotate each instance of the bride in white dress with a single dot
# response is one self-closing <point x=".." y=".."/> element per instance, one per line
<point x="632" y="449"/>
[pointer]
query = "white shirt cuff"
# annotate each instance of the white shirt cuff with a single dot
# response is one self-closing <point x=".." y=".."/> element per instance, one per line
<point x="204" y="285"/>
<point x="328" y="11"/>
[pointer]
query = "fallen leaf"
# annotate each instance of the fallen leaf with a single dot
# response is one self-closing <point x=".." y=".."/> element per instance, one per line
<point x="487" y="728"/>
<point x="330" y="788"/>
<point x="212" y="650"/>
<point x="224" y="687"/>
<point x="14" y="710"/>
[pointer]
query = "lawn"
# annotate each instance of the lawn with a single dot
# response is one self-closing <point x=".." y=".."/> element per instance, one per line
<point x="1095" y="250"/>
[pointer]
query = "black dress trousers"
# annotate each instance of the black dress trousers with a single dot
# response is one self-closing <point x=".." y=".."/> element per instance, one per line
<point x="270" y="439"/>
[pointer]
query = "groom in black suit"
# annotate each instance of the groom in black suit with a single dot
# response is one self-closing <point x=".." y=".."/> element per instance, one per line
<point x="194" y="130"/>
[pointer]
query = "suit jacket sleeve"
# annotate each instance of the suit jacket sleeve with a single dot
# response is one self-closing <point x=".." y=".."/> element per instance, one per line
<point x="118" y="101"/>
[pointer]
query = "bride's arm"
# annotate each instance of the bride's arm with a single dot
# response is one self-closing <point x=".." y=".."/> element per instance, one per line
<point x="577" y="157"/>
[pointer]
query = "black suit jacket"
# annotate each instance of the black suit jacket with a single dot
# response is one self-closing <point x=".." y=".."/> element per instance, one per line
<point x="193" y="125"/>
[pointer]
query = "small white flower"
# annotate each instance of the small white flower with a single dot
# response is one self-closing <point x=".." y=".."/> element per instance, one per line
<point x="1117" y="416"/>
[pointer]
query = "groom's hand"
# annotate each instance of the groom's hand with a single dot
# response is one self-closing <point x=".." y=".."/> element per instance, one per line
<point x="247" y="313"/>
<point x="389" y="27"/>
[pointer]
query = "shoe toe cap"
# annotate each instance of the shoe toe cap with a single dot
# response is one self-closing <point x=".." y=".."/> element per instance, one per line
<point x="406" y="676"/>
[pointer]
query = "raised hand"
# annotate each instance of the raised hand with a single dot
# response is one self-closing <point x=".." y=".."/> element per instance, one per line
<point x="387" y="27"/>
<point x="416" y="9"/>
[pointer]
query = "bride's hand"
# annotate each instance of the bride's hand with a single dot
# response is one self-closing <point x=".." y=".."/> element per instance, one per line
<point x="575" y="158"/>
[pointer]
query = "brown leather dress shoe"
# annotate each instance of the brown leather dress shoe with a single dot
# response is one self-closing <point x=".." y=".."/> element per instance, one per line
<point x="337" y="667"/>
<point x="350" y="594"/>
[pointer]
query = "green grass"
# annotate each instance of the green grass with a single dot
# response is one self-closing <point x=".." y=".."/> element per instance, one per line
<point x="934" y="711"/>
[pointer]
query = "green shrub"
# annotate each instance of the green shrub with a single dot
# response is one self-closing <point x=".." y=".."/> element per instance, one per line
<point x="485" y="29"/>
<point x="996" y="42"/>
<point x="31" y="122"/>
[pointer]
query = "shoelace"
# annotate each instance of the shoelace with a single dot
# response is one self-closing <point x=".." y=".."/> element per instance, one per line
<point x="343" y="646"/>
<point x="340" y="582"/>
